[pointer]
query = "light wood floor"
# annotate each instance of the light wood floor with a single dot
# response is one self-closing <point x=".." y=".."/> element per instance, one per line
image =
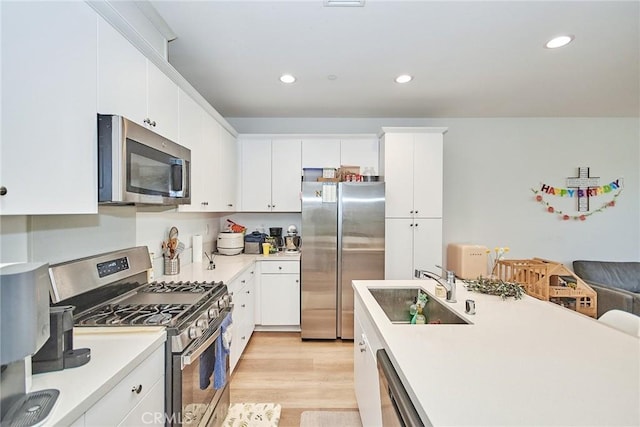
<point x="300" y="375"/>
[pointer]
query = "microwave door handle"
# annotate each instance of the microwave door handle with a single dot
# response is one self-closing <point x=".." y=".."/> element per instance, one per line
<point x="185" y="176"/>
<point x="190" y="355"/>
<point x="177" y="168"/>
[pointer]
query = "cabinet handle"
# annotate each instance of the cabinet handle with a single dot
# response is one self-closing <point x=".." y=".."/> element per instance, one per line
<point x="363" y="348"/>
<point x="136" y="389"/>
<point x="416" y="211"/>
<point x="410" y="225"/>
<point x="243" y="281"/>
<point x="243" y="338"/>
<point x="297" y="280"/>
<point x="279" y="268"/>
<point x="230" y="205"/>
<point x="243" y="306"/>
<point x="248" y="292"/>
<point x="205" y="203"/>
<point x="417" y="225"/>
<point x="3" y="191"/>
<point x="269" y="206"/>
<point x="149" y="122"/>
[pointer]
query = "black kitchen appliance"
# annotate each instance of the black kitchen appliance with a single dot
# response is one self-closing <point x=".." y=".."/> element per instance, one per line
<point x="111" y="290"/>
<point x="58" y="352"/>
<point x="276" y="233"/>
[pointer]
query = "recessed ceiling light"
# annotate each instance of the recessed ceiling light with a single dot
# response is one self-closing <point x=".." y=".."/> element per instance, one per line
<point x="404" y="78"/>
<point x="332" y="77"/>
<point x="347" y="3"/>
<point x="559" y="41"/>
<point x="287" y="78"/>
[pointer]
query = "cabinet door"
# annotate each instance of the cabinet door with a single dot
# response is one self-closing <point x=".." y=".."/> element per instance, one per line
<point x="398" y="163"/>
<point x="365" y="373"/>
<point x="321" y="153"/>
<point x="427" y="177"/>
<point x="427" y="244"/>
<point x="48" y="161"/>
<point x="280" y="299"/>
<point x="256" y="175"/>
<point x="206" y="161"/>
<point x="286" y="174"/>
<point x="192" y="137"/>
<point x="362" y="152"/>
<point x="227" y="179"/>
<point x="398" y="246"/>
<point x="150" y="410"/>
<point x="162" y="103"/>
<point x="122" y="75"/>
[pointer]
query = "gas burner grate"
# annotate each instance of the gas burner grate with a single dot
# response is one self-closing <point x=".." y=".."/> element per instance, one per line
<point x="193" y="287"/>
<point x="137" y="314"/>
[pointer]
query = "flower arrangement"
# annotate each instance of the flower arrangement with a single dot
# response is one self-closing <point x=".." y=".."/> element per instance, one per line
<point x="499" y="254"/>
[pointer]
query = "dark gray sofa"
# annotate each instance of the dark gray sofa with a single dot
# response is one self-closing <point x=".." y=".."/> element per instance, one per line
<point x="617" y="283"/>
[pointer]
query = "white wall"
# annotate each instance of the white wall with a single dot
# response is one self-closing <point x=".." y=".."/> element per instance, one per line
<point x="491" y="166"/>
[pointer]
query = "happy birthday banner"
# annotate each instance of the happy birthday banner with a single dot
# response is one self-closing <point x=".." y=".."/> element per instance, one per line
<point x="581" y="192"/>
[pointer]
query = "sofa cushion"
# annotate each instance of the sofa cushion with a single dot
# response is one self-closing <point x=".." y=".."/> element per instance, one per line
<point x="616" y="274"/>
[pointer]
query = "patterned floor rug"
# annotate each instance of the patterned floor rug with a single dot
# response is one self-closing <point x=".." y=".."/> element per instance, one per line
<point x="253" y="415"/>
<point x="330" y="419"/>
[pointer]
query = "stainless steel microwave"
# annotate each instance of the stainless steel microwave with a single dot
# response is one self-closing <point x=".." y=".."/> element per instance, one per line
<point x="138" y="166"/>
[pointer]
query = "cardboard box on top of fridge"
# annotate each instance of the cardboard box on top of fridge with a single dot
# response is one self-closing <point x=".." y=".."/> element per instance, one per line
<point x="467" y="261"/>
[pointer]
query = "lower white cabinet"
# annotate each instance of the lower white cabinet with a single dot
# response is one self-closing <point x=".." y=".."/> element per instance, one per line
<point x="242" y="292"/>
<point x="412" y="243"/>
<point x="280" y="293"/>
<point x="365" y="370"/>
<point x="136" y="400"/>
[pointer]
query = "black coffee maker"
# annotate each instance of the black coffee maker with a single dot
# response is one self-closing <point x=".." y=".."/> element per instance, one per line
<point x="58" y="352"/>
<point x="276" y="233"/>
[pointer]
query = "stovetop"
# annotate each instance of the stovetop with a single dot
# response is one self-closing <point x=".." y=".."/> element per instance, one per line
<point x="157" y="304"/>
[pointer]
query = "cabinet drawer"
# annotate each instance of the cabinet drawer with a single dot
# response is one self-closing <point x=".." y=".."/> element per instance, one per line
<point x="121" y="399"/>
<point x="241" y="281"/>
<point x="277" y="267"/>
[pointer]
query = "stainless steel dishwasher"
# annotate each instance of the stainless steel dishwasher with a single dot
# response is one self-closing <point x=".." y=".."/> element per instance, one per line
<point x="397" y="408"/>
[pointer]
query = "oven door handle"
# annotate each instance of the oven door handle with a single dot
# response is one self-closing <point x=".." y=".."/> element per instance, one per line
<point x="190" y="355"/>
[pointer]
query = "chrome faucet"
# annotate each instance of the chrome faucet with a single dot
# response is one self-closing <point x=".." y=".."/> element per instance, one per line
<point x="449" y="285"/>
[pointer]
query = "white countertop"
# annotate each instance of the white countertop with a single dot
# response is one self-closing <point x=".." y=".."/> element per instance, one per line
<point x="115" y="352"/>
<point x="521" y="363"/>
<point x="228" y="267"/>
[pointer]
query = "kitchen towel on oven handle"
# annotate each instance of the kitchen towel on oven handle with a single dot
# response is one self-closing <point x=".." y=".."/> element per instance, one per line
<point x="223" y="344"/>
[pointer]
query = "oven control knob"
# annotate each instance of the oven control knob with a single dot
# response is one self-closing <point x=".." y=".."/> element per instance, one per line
<point x="213" y="313"/>
<point x="202" y="324"/>
<point x="194" y="332"/>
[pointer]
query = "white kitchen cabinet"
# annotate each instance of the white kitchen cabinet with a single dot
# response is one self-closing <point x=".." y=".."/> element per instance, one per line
<point x="48" y="160"/>
<point x="214" y="159"/>
<point x="132" y="86"/>
<point x="242" y="292"/>
<point x="271" y="175"/>
<point x="280" y="293"/>
<point x="227" y="172"/>
<point x="412" y="165"/>
<point x="321" y="153"/>
<point x="412" y="243"/>
<point x="365" y="369"/>
<point x="360" y="151"/>
<point x="135" y="399"/>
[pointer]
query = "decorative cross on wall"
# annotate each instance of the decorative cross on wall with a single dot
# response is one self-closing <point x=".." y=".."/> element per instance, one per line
<point x="584" y="183"/>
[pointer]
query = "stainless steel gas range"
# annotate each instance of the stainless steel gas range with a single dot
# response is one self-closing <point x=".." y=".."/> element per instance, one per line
<point x="111" y="290"/>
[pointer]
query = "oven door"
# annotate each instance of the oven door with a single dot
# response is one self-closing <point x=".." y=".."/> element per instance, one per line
<point x="194" y="399"/>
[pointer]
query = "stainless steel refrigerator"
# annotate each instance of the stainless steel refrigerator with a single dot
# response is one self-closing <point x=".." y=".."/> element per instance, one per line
<point x="343" y="232"/>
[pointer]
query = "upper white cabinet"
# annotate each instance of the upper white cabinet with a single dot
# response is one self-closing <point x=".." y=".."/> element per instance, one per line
<point x="411" y="162"/>
<point x="361" y="152"/>
<point x="321" y="153"/>
<point x="132" y="86"/>
<point x="227" y="172"/>
<point x="48" y="158"/>
<point x="214" y="159"/>
<point x="271" y="174"/>
<point x="332" y="152"/>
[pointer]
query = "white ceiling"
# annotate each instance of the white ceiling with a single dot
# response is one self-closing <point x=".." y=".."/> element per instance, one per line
<point x="469" y="58"/>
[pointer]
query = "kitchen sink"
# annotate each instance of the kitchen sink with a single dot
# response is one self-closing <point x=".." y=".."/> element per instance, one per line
<point x="395" y="303"/>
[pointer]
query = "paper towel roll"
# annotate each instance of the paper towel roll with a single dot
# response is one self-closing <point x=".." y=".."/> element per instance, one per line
<point x="196" y="244"/>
